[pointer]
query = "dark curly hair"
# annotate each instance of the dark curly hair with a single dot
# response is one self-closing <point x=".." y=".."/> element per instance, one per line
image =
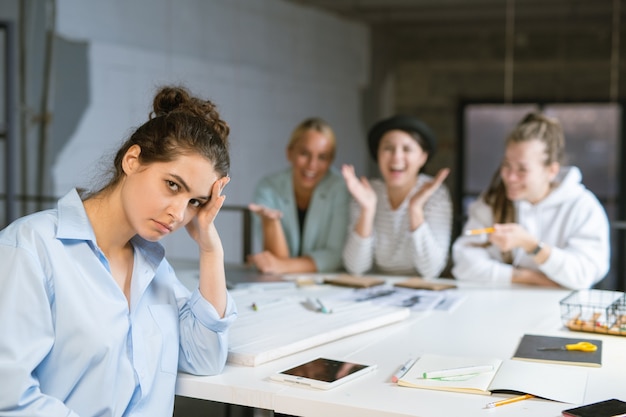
<point x="178" y="124"/>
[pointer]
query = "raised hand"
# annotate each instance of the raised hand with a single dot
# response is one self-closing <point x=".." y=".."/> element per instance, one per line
<point x="265" y="212"/>
<point x="421" y="197"/>
<point x="360" y="188"/>
<point x="274" y="239"/>
<point x="202" y="227"/>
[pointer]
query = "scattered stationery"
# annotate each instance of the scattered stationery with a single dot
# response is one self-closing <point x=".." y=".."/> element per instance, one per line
<point x="553" y="382"/>
<point x="607" y="408"/>
<point x="595" y="311"/>
<point x="416" y="300"/>
<point x="561" y="350"/>
<point x="423" y="284"/>
<point x="293" y="323"/>
<point x="346" y="280"/>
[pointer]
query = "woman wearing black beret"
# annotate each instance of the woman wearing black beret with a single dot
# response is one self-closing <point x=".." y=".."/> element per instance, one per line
<point x="399" y="224"/>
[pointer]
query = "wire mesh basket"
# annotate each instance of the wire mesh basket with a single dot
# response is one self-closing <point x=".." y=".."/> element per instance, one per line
<point x="595" y="311"/>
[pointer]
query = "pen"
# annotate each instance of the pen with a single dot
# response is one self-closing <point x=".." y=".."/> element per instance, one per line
<point x="466" y="370"/>
<point x="322" y="307"/>
<point x="482" y="231"/>
<point x="402" y="370"/>
<point x="509" y="401"/>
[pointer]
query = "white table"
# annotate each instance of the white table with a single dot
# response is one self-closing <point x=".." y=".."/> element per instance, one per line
<point x="489" y="322"/>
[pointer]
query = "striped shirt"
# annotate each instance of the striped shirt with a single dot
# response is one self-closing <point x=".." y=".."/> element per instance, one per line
<point x="392" y="247"/>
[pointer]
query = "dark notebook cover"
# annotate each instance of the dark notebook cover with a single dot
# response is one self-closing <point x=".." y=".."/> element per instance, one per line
<point x="528" y="349"/>
<point x="608" y="408"/>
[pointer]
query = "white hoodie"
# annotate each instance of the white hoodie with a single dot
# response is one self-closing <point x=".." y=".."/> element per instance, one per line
<point x="570" y="220"/>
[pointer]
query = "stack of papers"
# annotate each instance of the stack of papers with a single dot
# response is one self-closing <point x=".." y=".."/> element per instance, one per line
<point x="413" y="299"/>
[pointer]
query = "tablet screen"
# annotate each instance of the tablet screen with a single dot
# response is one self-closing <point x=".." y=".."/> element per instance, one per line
<point x="327" y="370"/>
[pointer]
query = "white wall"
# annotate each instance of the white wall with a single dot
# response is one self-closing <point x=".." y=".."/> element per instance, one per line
<point x="268" y="64"/>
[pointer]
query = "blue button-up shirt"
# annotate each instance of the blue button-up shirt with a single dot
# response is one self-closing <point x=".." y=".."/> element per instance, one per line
<point x="70" y="344"/>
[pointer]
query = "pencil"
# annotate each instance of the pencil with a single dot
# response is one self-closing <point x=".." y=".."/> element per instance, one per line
<point x="482" y="231"/>
<point x="509" y="401"/>
<point x="407" y="365"/>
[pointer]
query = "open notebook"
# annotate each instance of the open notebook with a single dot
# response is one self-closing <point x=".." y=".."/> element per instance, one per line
<point x="553" y="382"/>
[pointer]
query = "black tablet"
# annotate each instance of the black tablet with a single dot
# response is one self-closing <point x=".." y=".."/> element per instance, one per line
<point x="323" y="373"/>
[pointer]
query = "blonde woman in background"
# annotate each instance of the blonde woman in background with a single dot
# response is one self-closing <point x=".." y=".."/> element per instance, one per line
<point x="548" y="229"/>
<point x="302" y="212"/>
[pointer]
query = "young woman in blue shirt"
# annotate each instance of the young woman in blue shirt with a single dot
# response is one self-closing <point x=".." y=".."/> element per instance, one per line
<point x="93" y="320"/>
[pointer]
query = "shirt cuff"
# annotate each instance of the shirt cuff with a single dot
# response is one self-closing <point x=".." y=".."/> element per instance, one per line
<point x="551" y="266"/>
<point x="208" y="316"/>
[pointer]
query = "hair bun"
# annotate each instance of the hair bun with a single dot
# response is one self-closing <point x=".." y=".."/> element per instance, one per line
<point x="173" y="99"/>
<point x="169" y="99"/>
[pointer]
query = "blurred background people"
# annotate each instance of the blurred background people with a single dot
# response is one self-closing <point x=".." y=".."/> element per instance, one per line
<point x="302" y="212"/>
<point x="400" y="224"/>
<point x="548" y="229"/>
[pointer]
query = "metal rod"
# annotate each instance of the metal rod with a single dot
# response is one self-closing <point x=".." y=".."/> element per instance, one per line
<point x="10" y="133"/>
<point x="43" y="160"/>
<point x="615" y="35"/>
<point x="509" y="60"/>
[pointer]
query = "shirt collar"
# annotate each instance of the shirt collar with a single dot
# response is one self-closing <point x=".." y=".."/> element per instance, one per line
<point x="75" y="225"/>
<point x="73" y="221"/>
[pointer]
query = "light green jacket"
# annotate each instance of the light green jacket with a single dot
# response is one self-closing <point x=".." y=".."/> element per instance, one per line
<point x="326" y="221"/>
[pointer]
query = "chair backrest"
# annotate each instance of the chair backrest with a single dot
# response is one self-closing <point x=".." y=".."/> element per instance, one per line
<point x="246" y="228"/>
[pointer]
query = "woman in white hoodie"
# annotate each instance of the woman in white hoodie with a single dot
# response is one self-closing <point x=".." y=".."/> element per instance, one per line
<point x="544" y="227"/>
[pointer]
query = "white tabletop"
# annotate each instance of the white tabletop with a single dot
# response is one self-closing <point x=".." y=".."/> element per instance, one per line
<point x="489" y="322"/>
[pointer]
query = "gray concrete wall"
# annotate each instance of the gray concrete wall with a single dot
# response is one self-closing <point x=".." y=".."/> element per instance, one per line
<point x="268" y="64"/>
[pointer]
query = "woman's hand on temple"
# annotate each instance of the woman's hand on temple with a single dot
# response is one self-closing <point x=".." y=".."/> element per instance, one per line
<point x="202" y="227"/>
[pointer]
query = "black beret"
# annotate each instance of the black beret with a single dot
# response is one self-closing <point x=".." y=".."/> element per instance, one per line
<point x="405" y="123"/>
